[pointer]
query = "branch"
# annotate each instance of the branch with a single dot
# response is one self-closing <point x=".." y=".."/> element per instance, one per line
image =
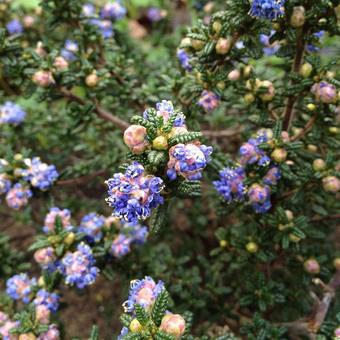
<point x="121" y="124"/>
<point x="222" y="133"/>
<point x="300" y="48"/>
<point x="309" y="326"/>
<point x="306" y="129"/>
<point x="81" y="179"/>
<point x="324" y="218"/>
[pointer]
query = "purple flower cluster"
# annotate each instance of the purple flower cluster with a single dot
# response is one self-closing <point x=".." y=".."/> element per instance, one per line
<point x="11" y="113"/>
<point x="70" y="50"/>
<point x="232" y="183"/>
<point x="166" y="109"/>
<point x="6" y="325"/>
<point x="51" y="334"/>
<point x="109" y="12"/>
<point x="269" y="49"/>
<point x="19" y="287"/>
<point x="5" y="184"/>
<point x="209" y="100"/>
<point x="78" y="267"/>
<point x="17" y="197"/>
<point x="143" y="292"/>
<point x="267" y="9"/>
<point x="155" y="14"/>
<point x="134" y="194"/>
<point x="45" y="298"/>
<point x="51" y="218"/>
<point x="14" y="27"/>
<point x="91" y="225"/>
<point x="129" y="234"/>
<point x="184" y="59"/>
<point x="188" y="160"/>
<point x="41" y="175"/>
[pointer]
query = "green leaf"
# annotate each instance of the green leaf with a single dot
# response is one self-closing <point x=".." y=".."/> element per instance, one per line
<point x="141" y="314"/>
<point x="160" y="307"/>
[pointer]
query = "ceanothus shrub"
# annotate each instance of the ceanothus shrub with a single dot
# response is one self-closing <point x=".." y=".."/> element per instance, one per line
<point x="183" y="154"/>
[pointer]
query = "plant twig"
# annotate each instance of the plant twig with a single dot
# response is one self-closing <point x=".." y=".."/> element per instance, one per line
<point x="121" y="124"/>
<point x="222" y="133"/>
<point x="81" y="179"/>
<point x="306" y="129"/>
<point x="300" y="48"/>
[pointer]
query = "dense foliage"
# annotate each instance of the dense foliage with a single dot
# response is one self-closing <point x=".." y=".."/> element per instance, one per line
<point x="174" y="163"/>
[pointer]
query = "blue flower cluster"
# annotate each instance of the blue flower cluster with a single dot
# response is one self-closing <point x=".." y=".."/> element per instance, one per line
<point x="232" y="183"/>
<point x="269" y="49"/>
<point x="91" y="225"/>
<point x="129" y="234"/>
<point x="134" y="194"/>
<point x="209" y="100"/>
<point x="143" y="292"/>
<point x="19" y="287"/>
<point x="33" y="171"/>
<point x="14" y="27"/>
<point x="70" y="50"/>
<point x="45" y="298"/>
<point x="41" y="175"/>
<point x="78" y="267"/>
<point x="188" y="160"/>
<point x="51" y="218"/>
<point x="165" y="109"/>
<point x="184" y="59"/>
<point x="109" y="12"/>
<point x="11" y="113"/>
<point x="267" y="9"/>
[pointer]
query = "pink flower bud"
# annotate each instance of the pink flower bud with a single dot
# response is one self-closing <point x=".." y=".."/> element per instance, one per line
<point x="279" y="155"/>
<point x="331" y="184"/>
<point x="269" y="95"/>
<point x="135" y="138"/>
<point x="234" y="75"/>
<point x="223" y="45"/>
<point x="28" y="21"/>
<point x="60" y="63"/>
<point x="337" y="332"/>
<point x="298" y="17"/>
<point x="40" y="49"/>
<point x="312" y="266"/>
<point x="324" y="92"/>
<point x="44" y="256"/>
<point x="43" y="78"/>
<point x="27" y="336"/>
<point x="42" y="314"/>
<point x="173" y="324"/>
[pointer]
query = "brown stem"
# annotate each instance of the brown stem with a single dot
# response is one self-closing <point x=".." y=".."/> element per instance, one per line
<point x="121" y="124"/>
<point x="325" y="218"/>
<point x="222" y="133"/>
<point x="81" y="179"/>
<point x="300" y="48"/>
<point x="309" y="326"/>
<point x="306" y="129"/>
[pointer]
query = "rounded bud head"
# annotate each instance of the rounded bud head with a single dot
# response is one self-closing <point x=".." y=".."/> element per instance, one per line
<point x="306" y="70"/>
<point x="173" y="324"/>
<point x="319" y="164"/>
<point x="298" y="17"/>
<point x="249" y="98"/>
<point x="42" y="314"/>
<point x="18" y="157"/>
<point x="279" y="155"/>
<point x="312" y="266"/>
<point x="91" y="80"/>
<point x="217" y="26"/>
<point x="336" y="263"/>
<point x="311" y="107"/>
<point x="312" y="148"/>
<point x="135" y="326"/>
<point x="294" y="238"/>
<point x="269" y="95"/>
<point x="334" y="130"/>
<point x="43" y="78"/>
<point x="69" y="239"/>
<point x="60" y="63"/>
<point x="285" y="136"/>
<point x="234" y="75"/>
<point x="223" y="243"/>
<point x="27" y="336"/>
<point x="185" y="42"/>
<point x="177" y="130"/>
<point x="252" y="247"/>
<point x="223" y="45"/>
<point x="247" y="71"/>
<point x="208" y="7"/>
<point x="160" y="143"/>
<point x="289" y="215"/>
<point x="135" y="138"/>
<point x="41" y="282"/>
<point x="331" y="184"/>
<point x="330" y="75"/>
<point x="28" y="21"/>
<point x="221" y="85"/>
<point x="197" y="44"/>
